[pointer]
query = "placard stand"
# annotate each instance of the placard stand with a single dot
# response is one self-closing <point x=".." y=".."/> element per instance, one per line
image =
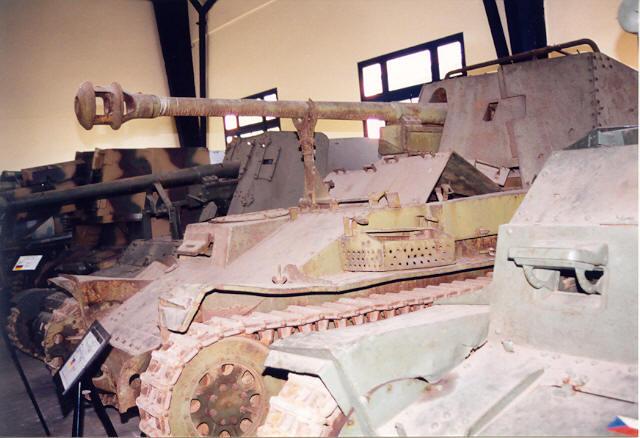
<point x="4" y="311"/>
<point x="25" y="382"/>
<point x="74" y="375"/>
<point x="78" y="412"/>
<point x="98" y="407"/>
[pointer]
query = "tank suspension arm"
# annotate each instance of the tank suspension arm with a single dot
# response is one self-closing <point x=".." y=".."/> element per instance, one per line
<point x="120" y="106"/>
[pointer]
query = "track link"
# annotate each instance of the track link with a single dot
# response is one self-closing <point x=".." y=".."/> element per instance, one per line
<point x="12" y="333"/>
<point x="49" y="307"/>
<point x="304" y="407"/>
<point x="167" y="363"/>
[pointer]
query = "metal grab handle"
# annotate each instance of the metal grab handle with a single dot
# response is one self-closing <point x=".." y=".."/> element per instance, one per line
<point x="535" y="53"/>
<point x="581" y="259"/>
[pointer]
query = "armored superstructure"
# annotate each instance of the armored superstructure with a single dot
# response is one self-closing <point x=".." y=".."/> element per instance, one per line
<point x="549" y="346"/>
<point x="422" y="215"/>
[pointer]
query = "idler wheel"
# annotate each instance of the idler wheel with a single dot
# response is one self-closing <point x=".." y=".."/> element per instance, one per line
<point x="27" y="306"/>
<point x="222" y="391"/>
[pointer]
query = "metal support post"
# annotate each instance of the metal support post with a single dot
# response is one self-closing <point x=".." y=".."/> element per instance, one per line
<point x="14" y="357"/>
<point x="203" y="10"/>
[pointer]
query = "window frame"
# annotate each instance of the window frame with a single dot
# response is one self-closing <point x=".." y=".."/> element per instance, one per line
<point x="263" y="126"/>
<point x="412" y="91"/>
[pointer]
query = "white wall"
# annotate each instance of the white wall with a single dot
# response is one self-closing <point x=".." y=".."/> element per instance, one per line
<point x="306" y="48"/>
<point x="49" y="47"/>
<point x="310" y="48"/>
<point x="596" y="19"/>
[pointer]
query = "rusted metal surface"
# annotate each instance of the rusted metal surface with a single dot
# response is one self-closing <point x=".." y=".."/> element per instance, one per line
<point x="75" y="215"/>
<point x="273" y="247"/>
<point x="248" y="266"/>
<point x="531" y="54"/>
<point x="156" y="400"/>
<point x="305" y="126"/>
<point x="151" y="106"/>
<point x="353" y="368"/>
<point x="380" y="250"/>
<point x="26" y="307"/>
<point x="304" y="407"/>
<point x="89" y="290"/>
<point x="515" y="117"/>
<point x="119" y="380"/>
<point x="120" y="187"/>
<point x="413" y="178"/>
<point x="121" y="106"/>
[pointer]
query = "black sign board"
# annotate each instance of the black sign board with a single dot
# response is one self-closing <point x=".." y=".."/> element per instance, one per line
<point x="92" y="344"/>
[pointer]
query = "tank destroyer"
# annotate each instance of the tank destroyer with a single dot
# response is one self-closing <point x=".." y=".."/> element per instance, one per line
<point x="47" y="322"/>
<point x="421" y="215"/>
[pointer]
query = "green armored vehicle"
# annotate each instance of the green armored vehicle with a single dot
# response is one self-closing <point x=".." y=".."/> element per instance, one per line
<point x="549" y="347"/>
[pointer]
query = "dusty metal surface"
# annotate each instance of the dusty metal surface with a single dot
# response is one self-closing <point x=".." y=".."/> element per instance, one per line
<point x="413" y="178"/>
<point x="120" y="106"/>
<point x="158" y="402"/>
<point x="561" y="355"/>
<point x="498" y="392"/>
<point x="359" y="355"/>
<point x="215" y="284"/>
<point x="579" y="368"/>
<point x="610" y="227"/>
<point x="291" y="263"/>
<point x="272" y="172"/>
<point x="518" y="115"/>
<point x="314" y="266"/>
<point x="564" y="194"/>
<point x="150" y="106"/>
<point x="351" y="153"/>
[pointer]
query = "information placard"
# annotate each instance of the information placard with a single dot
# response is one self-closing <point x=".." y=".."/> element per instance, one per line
<point x="27" y="263"/>
<point x="92" y="344"/>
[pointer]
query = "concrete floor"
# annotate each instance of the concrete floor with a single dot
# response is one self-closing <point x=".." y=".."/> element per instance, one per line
<point x="18" y="417"/>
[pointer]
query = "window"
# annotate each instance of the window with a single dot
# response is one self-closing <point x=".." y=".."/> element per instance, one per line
<point x="399" y="76"/>
<point x="248" y="126"/>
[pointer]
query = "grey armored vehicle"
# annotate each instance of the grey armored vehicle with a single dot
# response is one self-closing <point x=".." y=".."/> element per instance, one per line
<point x="554" y="353"/>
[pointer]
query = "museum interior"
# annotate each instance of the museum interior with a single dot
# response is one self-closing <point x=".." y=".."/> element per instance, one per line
<point x="319" y="218"/>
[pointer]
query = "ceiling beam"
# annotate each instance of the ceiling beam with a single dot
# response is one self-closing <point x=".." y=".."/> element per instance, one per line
<point x="172" y="21"/>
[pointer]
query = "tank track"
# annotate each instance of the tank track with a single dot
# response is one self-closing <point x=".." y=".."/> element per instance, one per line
<point x="53" y="326"/>
<point x="168" y="362"/>
<point x="304" y="407"/>
<point x="54" y="308"/>
<point x="12" y="333"/>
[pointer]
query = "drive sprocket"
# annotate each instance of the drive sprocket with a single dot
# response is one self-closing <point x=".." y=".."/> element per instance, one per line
<point x="222" y="392"/>
<point x="24" y="325"/>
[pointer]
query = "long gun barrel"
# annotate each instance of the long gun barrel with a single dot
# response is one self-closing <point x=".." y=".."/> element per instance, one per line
<point x="120" y="106"/>
<point x="136" y="184"/>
